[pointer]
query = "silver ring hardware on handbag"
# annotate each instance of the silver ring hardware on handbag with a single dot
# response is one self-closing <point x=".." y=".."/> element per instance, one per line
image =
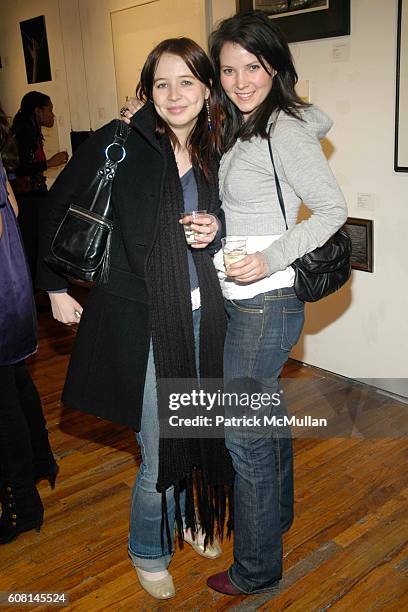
<point x="115" y="144"/>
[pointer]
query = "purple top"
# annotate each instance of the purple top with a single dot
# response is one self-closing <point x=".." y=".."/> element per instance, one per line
<point x="18" y="326"/>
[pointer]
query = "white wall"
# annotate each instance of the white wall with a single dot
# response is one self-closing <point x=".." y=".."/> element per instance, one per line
<point x="220" y="9"/>
<point x="79" y="32"/>
<point x="360" y="332"/>
<point x="135" y="31"/>
<point x="13" y="81"/>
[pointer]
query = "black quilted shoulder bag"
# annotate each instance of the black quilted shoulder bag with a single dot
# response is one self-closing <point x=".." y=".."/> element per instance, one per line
<point x="80" y="249"/>
<point x="326" y="268"/>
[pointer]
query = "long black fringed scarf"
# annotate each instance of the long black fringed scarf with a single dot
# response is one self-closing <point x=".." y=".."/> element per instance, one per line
<point x="200" y="466"/>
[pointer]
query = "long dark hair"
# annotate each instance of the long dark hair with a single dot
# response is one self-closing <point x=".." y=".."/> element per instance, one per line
<point x="260" y="36"/>
<point x="26" y="115"/>
<point x="202" y="143"/>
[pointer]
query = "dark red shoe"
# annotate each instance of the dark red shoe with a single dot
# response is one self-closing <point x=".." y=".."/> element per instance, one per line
<point x="221" y="583"/>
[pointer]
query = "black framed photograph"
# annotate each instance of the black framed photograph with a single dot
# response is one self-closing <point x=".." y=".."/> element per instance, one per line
<point x="361" y="234"/>
<point x="401" y="97"/>
<point x="35" y="46"/>
<point x="305" y="19"/>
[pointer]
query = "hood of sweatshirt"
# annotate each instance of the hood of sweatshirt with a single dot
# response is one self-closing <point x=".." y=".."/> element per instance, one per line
<point x="314" y="121"/>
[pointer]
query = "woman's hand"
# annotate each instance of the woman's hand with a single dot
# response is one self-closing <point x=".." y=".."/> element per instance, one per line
<point x="65" y="309"/>
<point x="58" y="159"/>
<point x="206" y="228"/>
<point x="249" y="269"/>
<point x="130" y="107"/>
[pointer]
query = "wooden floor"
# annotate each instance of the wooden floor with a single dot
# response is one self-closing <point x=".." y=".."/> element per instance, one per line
<point x="345" y="551"/>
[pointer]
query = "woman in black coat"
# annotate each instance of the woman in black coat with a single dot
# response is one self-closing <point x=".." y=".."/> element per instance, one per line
<point x="160" y="315"/>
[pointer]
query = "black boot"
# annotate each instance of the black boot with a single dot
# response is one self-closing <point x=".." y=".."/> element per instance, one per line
<point x="46" y="470"/>
<point x="22" y="510"/>
<point x="44" y="465"/>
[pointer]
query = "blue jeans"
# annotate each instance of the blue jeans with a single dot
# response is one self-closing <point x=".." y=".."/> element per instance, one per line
<point x="261" y="332"/>
<point x="145" y="537"/>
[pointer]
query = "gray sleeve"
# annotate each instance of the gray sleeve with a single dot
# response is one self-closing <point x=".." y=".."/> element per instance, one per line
<point x="300" y="161"/>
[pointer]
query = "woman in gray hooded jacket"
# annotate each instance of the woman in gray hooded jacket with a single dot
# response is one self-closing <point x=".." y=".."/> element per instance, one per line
<point x="256" y="83"/>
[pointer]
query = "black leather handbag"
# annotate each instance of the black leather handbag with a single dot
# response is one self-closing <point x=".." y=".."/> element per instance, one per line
<point x="326" y="268"/>
<point x="80" y="249"/>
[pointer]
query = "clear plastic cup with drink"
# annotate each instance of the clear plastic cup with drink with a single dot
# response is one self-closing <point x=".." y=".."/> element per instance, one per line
<point x="234" y="249"/>
<point x="190" y="234"/>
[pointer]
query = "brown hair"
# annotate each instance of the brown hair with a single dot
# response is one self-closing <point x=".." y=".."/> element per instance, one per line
<point x="202" y="143"/>
<point x="259" y="35"/>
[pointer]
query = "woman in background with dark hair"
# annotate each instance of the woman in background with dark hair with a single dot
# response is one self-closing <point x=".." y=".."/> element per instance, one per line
<point x="256" y="81"/>
<point x="25" y="453"/>
<point x="161" y="314"/>
<point x="28" y="180"/>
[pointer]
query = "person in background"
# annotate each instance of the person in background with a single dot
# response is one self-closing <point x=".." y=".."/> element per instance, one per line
<point x="28" y="180"/>
<point x="160" y="316"/>
<point x="25" y="452"/>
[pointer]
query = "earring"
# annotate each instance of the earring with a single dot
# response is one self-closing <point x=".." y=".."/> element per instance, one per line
<point x="207" y="108"/>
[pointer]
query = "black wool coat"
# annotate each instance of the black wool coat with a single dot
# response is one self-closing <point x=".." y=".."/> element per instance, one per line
<point x="107" y="369"/>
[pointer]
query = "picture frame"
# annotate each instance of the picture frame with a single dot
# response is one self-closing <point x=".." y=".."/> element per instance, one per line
<point x="35" y="48"/>
<point x="401" y="91"/>
<point x="319" y="20"/>
<point x="361" y="234"/>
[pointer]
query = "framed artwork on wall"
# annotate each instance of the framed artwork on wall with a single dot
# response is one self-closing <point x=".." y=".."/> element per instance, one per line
<point x="305" y="19"/>
<point x="401" y="97"/>
<point x="361" y="234"/>
<point x="35" y="46"/>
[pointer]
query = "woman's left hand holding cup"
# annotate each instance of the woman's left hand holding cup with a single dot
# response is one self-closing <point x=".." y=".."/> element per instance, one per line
<point x="249" y="269"/>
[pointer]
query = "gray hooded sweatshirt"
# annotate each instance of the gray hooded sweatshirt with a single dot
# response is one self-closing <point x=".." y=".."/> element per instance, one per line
<point x="248" y="190"/>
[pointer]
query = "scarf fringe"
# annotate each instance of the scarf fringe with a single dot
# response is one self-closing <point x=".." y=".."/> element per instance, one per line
<point x="179" y="518"/>
<point x="208" y="508"/>
<point x="165" y="527"/>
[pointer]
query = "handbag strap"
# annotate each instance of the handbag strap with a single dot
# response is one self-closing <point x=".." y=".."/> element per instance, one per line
<point x="277" y="183"/>
<point x="119" y="140"/>
<point x="115" y="153"/>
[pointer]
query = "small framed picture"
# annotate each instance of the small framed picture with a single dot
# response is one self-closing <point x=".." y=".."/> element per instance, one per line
<point x="401" y="100"/>
<point x="305" y="19"/>
<point x="361" y="234"/>
<point x="35" y="47"/>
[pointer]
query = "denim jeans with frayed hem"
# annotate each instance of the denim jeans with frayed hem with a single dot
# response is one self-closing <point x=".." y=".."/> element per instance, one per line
<point x="261" y="332"/>
<point x="145" y="537"/>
